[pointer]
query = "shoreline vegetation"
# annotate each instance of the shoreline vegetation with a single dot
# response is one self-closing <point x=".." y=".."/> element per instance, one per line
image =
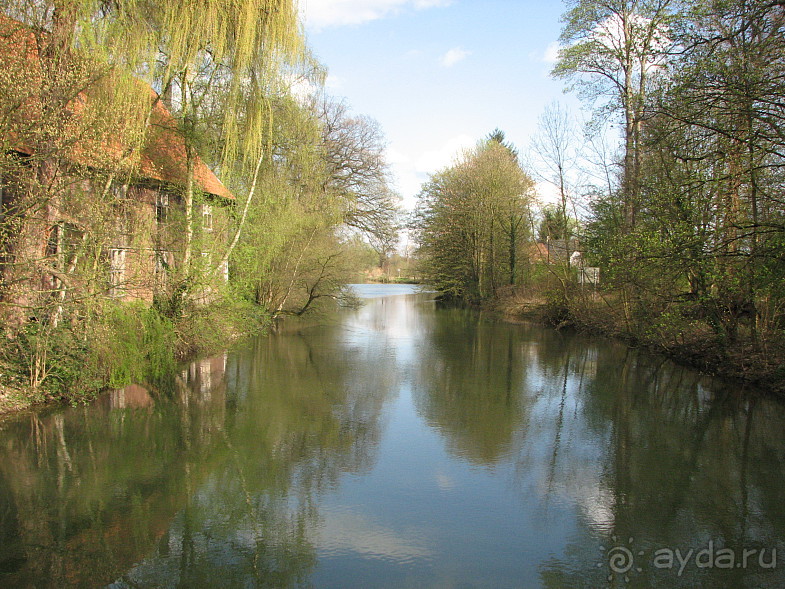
<point x="122" y="252"/>
<point x="692" y="344"/>
<point x="667" y="223"/>
<point x="138" y="344"/>
<point x="163" y="345"/>
<point x="135" y="344"/>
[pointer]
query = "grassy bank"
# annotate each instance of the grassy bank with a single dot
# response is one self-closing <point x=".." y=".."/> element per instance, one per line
<point x="679" y="332"/>
<point x="122" y="343"/>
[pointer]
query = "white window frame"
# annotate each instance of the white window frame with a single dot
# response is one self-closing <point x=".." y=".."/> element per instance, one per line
<point x="117" y="269"/>
<point x="207" y="217"/>
<point x="161" y="206"/>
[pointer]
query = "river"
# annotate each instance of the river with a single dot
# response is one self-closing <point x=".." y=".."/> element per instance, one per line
<point x="402" y="445"/>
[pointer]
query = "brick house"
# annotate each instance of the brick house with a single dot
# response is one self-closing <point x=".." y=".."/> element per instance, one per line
<point x="84" y="201"/>
<point x="554" y="251"/>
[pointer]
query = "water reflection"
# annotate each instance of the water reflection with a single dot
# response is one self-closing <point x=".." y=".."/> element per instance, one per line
<point x="469" y="385"/>
<point x="399" y="445"/>
<point x="215" y="484"/>
<point x="88" y="490"/>
<point x="612" y="446"/>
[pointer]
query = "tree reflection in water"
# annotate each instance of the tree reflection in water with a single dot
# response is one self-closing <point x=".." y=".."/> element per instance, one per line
<point x="483" y="453"/>
<point x="644" y="450"/>
<point x="213" y="485"/>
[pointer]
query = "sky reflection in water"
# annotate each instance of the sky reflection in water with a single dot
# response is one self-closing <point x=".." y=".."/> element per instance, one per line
<point x="400" y="446"/>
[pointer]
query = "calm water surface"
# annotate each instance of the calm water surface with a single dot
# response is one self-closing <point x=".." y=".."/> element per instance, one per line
<point x="400" y="445"/>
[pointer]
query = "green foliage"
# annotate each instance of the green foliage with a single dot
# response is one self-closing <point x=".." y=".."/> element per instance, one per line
<point x="302" y="171"/>
<point x="134" y="343"/>
<point x="324" y="187"/>
<point x="210" y="328"/>
<point x="555" y="224"/>
<point x="362" y="254"/>
<point x="689" y="236"/>
<point x="54" y="363"/>
<point x="472" y="223"/>
<point x="129" y="343"/>
<point x="72" y="362"/>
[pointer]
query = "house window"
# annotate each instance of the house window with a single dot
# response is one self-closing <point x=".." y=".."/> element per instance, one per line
<point x="161" y="267"/>
<point x="53" y="241"/>
<point x="161" y="206"/>
<point x="207" y="217"/>
<point x="119" y="190"/>
<point x="116" y="271"/>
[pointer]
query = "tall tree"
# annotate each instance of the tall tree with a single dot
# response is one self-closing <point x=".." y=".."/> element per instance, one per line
<point x="514" y="217"/>
<point x="720" y="123"/>
<point x="613" y="50"/>
<point x="356" y="171"/>
<point x="313" y="196"/>
<point x="471" y="222"/>
<point x="216" y="58"/>
<point x="553" y="151"/>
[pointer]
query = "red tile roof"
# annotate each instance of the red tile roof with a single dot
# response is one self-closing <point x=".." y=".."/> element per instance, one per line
<point x="163" y="155"/>
<point x="539" y="251"/>
<point x="164" y="158"/>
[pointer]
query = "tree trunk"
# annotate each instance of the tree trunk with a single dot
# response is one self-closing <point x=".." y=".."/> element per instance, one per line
<point x="188" y="197"/>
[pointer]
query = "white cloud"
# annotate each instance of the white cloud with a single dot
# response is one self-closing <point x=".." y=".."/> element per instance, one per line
<point x="445" y="482"/>
<point x="432" y="160"/>
<point x="420" y="4"/>
<point x="344" y="531"/>
<point x="301" y="88"/>
<point x="407" y="180"/>
<point x="411" y="165"/>
<point x="453" y="56"/>
<point x="394" y="156"/>
<point x="333" y="82"/>
<point x="320" y="14"/>
<point x="551" y="54"/>
<point x="547" y="193"/>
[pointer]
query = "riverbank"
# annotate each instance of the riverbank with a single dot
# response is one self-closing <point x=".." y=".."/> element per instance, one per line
<point x="688" y="341"/>
<point x="280" y="464"/>
<point x="128" y="343"/>
<point x="413" y="281"/>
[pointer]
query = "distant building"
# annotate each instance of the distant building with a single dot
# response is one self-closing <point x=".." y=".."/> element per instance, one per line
<point x="554" y="251"/>
<point x="560" y="251"/>
<point x="588" y="275"/>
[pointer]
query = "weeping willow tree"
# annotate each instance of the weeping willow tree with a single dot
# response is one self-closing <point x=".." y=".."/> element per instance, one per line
<point x="231" y="43"/>
<point x="215" y="65"/>
<point x="292" y="255"/>
<point x="217" y="58"/>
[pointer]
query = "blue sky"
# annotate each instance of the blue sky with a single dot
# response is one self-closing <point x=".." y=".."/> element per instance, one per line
<point x="438" y="75"/>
